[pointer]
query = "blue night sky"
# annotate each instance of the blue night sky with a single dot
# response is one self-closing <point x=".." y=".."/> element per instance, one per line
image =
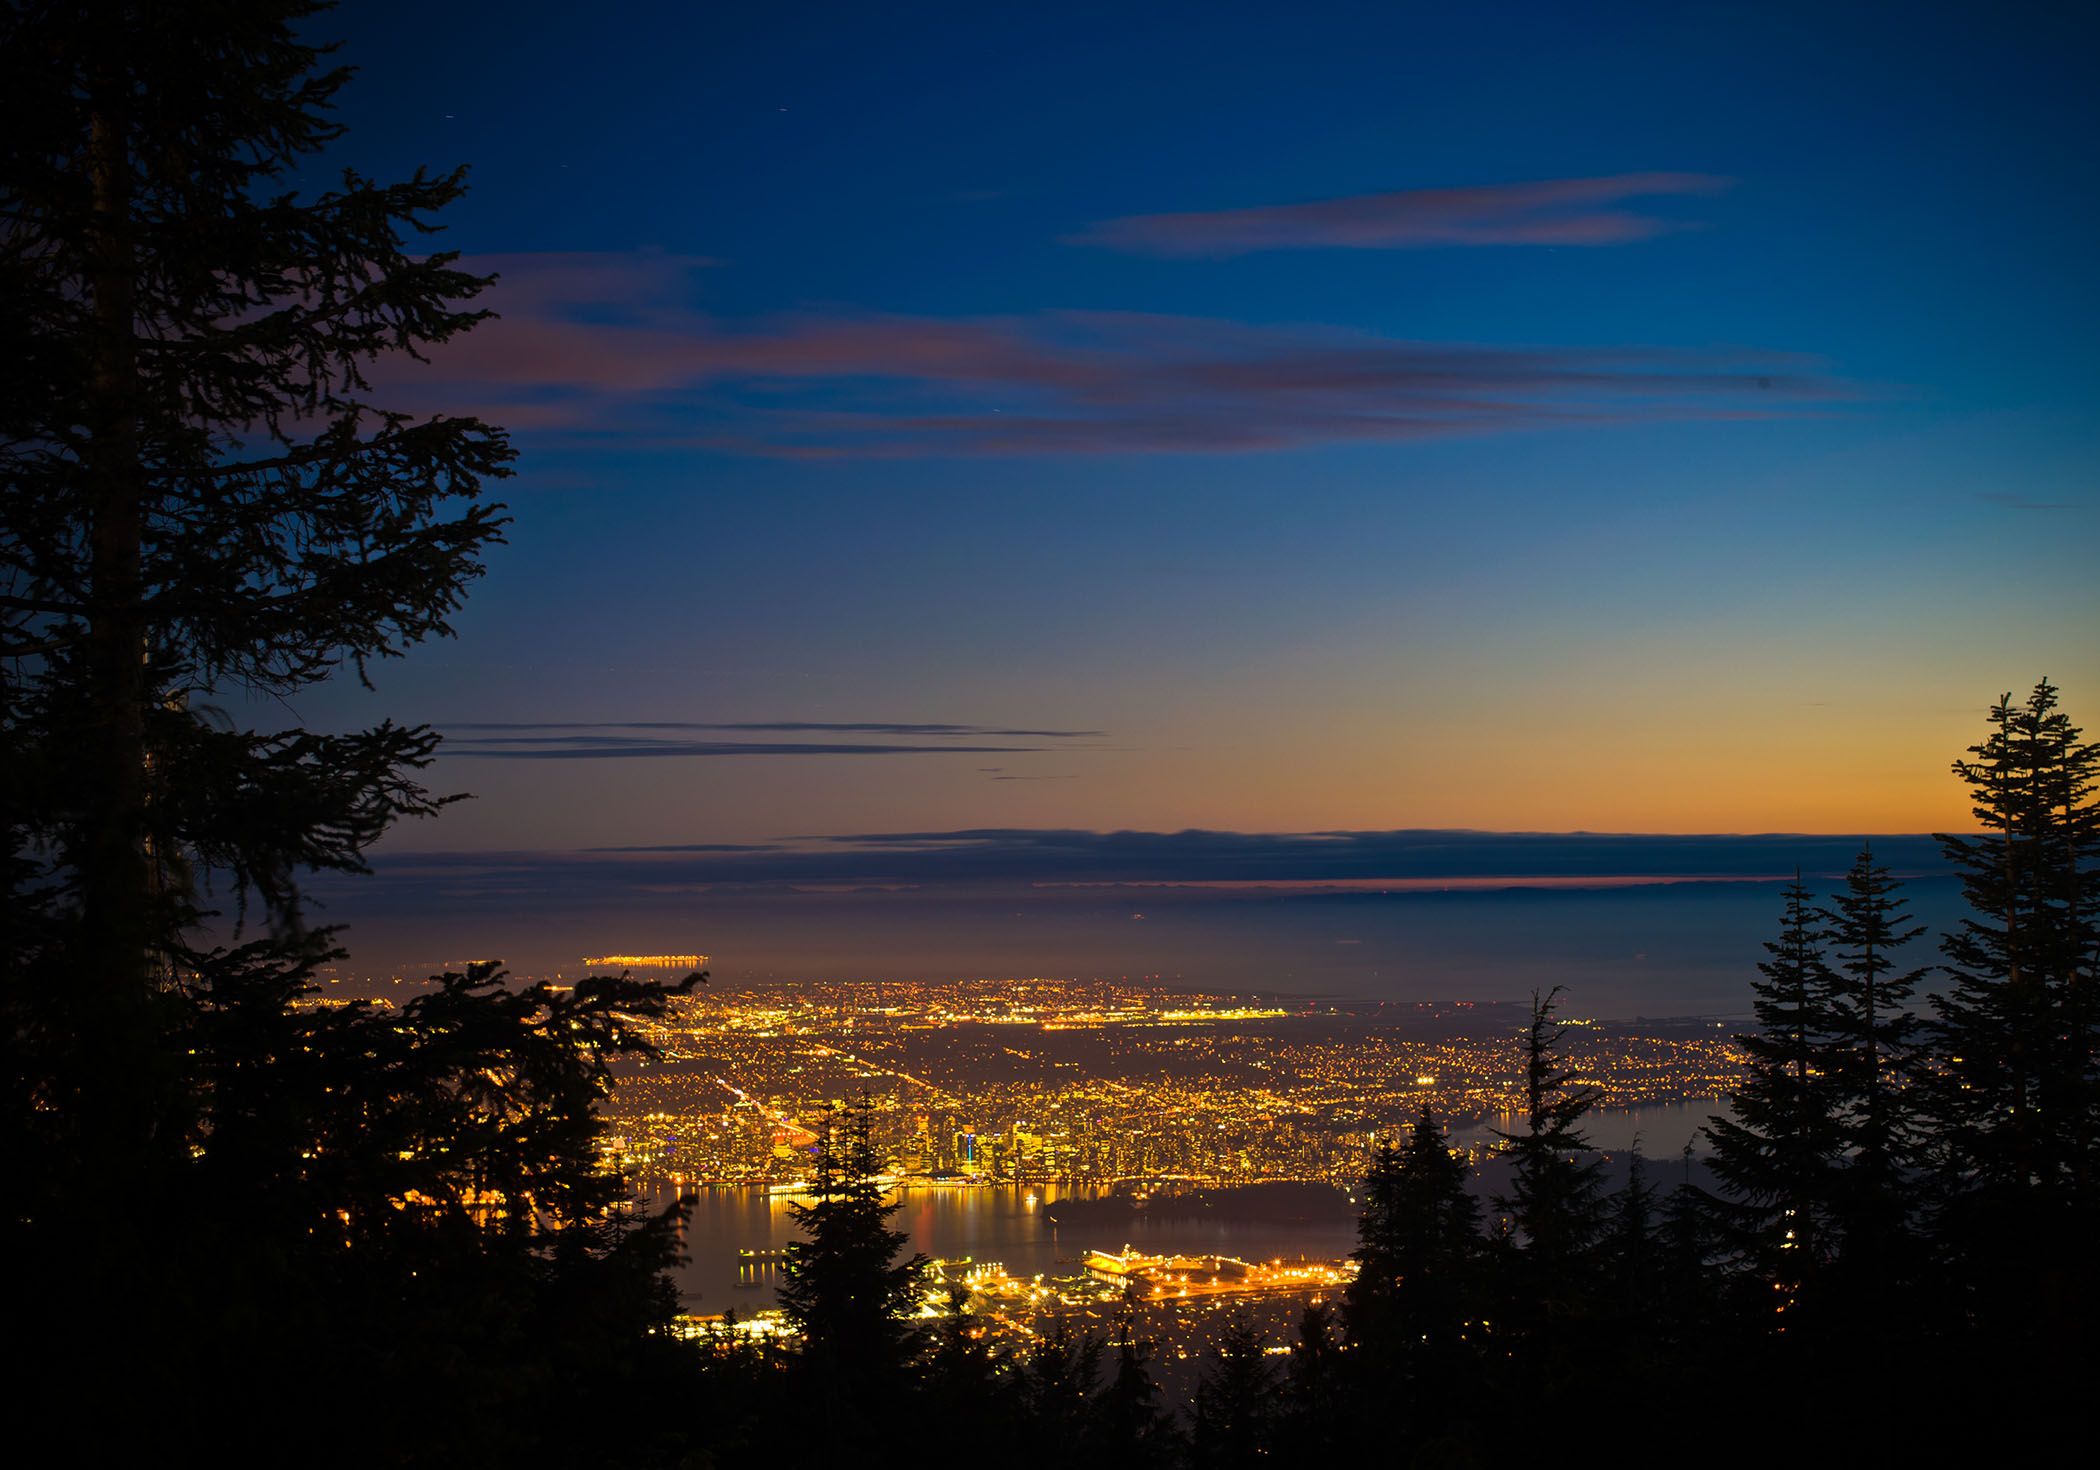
<point x="1529" y="417"/>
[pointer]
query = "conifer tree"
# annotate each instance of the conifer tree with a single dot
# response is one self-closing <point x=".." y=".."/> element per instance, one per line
<point x="1631" y="1242"/>
<point x="964" y="1382"/>
<point x="1234" y="1423"/>
<point x="201" y="494"/>
<point x="1631" y="1326"/>
<point x="1688" y="1244"/>
<point x="199" y="491"/>
<point x="1128" y="1428"/>
<point x="2016" y="1080"/>
<point x="1058" y="1376"/>
<point x="1316" y="1394"/>
<point x="1778" y="1152"/>
<point x="1872" y="1036"/>
<point x="1555" y="1202"/>
<point x="1417" y="1254"/>
<point x="844" y="1289"/>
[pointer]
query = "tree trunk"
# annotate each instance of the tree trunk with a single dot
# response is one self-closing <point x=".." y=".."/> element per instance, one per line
<point x="112" y="868"/>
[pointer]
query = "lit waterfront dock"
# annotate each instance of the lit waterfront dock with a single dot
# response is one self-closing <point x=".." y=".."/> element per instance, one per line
<point x="1184" y="1276"/>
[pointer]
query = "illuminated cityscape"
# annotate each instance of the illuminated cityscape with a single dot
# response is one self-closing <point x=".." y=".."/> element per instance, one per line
<point x="1020" y="1081"/>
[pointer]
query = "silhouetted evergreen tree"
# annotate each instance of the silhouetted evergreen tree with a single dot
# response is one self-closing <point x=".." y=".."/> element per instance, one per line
<point x="1695" y="1331"/>
<point x="1873" y="1038"/>
<point x="1690" y="1243"/>
<point x="1417" y="1242"/>
<point x="844" y="1288"/>
<point x="965" y="1385"/>
<point x="1555" y="1203"/>
<point x="1778" y="1154"/>
<point x="1317" y="1397"/>
<point x="199" y="495"/>
<point x="1058" y="1376"/>
<point x="1631" y="1244"/>
<point x="1129" y="1428"/>
<point x="1419" y="1256"/>
<point x="2016" y="1088"/>
<point x="1236" y="1409"/>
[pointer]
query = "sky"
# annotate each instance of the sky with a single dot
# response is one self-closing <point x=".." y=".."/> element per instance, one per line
<point x="1053" y="422"/>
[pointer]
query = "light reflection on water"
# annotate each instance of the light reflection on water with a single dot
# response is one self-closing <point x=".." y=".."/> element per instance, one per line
<point x="1662" y="1128"/>
<point x="1006" y="1222"/>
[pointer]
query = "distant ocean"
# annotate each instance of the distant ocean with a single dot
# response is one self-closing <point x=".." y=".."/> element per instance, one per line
<point x="1654" y="950"/>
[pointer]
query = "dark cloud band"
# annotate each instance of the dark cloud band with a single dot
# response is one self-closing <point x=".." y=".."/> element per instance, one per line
<point x="1049" y="858"/>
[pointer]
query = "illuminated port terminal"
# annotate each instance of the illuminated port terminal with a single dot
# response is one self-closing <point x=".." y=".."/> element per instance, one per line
<point x="681" y="962"/>
<point x="1213" y="1275"/>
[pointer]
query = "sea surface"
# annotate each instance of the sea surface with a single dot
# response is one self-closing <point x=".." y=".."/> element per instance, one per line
<point x="1006" y="1222"/>
<point x="1683" y="949"/>
<point x="1661" y="1130"/>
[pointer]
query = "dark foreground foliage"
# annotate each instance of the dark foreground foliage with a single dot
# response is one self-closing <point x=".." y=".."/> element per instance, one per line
<point x="366" y="1236"/>
<point x="242" y="1225"/>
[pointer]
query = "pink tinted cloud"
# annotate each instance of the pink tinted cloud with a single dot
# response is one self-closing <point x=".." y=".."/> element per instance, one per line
<point x="1546" y="212"/>
<point x="565" y="280"/>
<point x="586" y="345"/>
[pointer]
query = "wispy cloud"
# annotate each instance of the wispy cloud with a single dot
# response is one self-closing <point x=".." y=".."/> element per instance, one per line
<point x="616" y="747"/>
<point x="1545" y="212"/>
<point x="612" y="286"/>
<point x="854" y="727"/>
<point x="583" y="352"/>
<point x="643" y="739"/>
